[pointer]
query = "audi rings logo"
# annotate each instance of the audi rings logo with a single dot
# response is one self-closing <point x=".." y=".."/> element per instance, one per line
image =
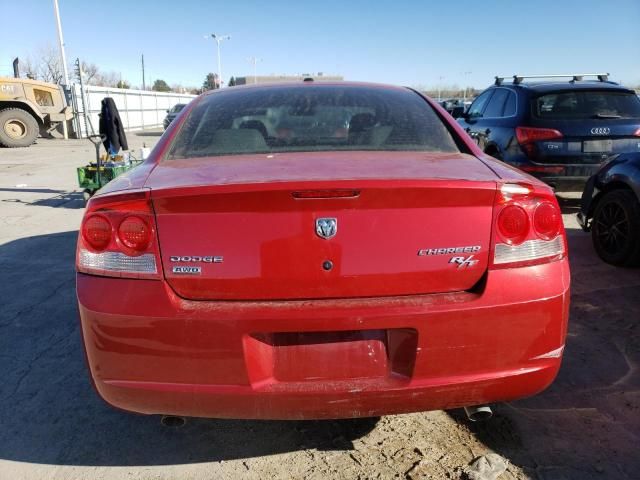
<point x="600" y="131"/>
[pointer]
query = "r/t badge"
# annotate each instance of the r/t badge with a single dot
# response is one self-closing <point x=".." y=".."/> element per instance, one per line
<point x="463" y="262"/>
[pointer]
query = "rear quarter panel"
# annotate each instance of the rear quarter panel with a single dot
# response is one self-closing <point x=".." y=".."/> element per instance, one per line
<point x="624" y="169"/>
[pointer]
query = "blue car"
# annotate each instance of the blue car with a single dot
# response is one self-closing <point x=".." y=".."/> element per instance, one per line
<point x="558" y="131"/>
<point x="611" y="210"/>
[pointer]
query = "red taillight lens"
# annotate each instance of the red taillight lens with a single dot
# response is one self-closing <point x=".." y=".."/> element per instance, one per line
<point x="528" y="227"/>
<point x="526" y="135"/>
<point x="547" y="221"/>
<point x="513" y="224"/>
<point x="96" y="231"/>
<point x="135" y="233"/>
<point x="118" y="237"/>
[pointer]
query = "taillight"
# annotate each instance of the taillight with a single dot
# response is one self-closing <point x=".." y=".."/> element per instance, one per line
<point x="527" y="136"/>
<point x="513" y="224"/>
<point x="528" y="227"/>
<point x="118" y="237"/>
<point x="96" y="231"/>
<point x="135" y="233"/>
<point x="547" y="220"/>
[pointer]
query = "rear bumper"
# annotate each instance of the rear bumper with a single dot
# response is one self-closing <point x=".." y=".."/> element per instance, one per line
<point x="563" y="183"/>
<point x="150" y="351"/>
<point x="562" y="177"/>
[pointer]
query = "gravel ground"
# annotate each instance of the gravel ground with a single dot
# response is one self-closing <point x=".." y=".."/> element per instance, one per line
<point x="585" y="426"/>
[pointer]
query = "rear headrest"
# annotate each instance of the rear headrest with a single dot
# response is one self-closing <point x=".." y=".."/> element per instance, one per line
<point x="238" y="140"/>
<point x="361" y="122"/>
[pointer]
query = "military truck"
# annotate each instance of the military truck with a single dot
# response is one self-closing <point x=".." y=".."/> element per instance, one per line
<point x="29" y="108"/>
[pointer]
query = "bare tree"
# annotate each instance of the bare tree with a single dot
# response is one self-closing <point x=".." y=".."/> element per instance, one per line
<point x="107" y="79"/>
<point x="90" y="70"/>
<point x="46" y="66"/>
<point x="29" y="69"/>
<point x="50" y="65"/>
<point x="94" y="76"/>
<point x="450" y="91"/>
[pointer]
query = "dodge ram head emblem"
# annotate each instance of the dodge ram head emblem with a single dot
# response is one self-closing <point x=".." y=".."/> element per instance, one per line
<point x="326" y="227"/>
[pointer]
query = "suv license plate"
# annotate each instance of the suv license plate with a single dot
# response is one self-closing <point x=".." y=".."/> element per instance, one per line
<point x="597" y="146"/>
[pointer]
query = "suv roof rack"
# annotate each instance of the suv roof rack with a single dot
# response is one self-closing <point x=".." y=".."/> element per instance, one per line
<point x="575" y="77"/>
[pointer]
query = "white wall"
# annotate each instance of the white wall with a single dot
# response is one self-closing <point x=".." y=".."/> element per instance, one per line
<point x="139" y="109"/>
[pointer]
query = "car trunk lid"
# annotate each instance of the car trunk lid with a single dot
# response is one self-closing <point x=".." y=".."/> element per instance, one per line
<point x="302" y="226"/>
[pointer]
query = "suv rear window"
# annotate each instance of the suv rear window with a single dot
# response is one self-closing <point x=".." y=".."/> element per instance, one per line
<point x="310" y="118"/>
<point x="584" y="104"/>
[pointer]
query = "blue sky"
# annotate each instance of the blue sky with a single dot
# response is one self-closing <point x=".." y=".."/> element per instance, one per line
<point x="401" y="42"/>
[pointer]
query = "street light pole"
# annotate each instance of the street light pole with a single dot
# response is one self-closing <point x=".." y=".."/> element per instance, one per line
<point x="439" y="87"/>
<point x="144" y="84"/>
<point x="465" y="86"/>
<point x="218" y="39"/>
<point x="61" y="42"/>
<point x="254" y="61"/>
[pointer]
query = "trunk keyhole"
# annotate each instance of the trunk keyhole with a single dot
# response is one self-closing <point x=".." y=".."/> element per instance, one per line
<point x="327" y="265"/>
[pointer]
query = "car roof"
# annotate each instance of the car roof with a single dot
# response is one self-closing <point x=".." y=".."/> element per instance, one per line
<point x="306" y="84"/>
<point x="545" y="87"/>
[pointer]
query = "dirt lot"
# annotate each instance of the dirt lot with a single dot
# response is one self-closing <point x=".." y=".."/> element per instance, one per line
<point x="53" y="425"/>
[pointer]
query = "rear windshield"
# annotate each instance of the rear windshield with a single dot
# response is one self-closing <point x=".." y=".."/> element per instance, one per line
<point x="310" y="118"/>
<point x="587" y="104"/>
<point x="176" y="108"/>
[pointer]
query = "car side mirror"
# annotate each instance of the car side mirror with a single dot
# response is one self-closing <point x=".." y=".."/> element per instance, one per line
<point x="458" y="112"/>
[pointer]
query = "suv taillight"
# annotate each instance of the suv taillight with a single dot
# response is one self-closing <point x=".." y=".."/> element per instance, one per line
<point x="118" y="237"/>
<point x="528" y="227"/>
<point x="527" y="136"/>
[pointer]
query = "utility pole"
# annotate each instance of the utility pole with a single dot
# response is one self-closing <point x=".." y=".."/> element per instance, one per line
<point x="61" y="41"/>
<point x="87" y="121"/>
<point x="254" y="61"/>
<point x="218" y="39"/>
<point x="439" y="86"/>
<point x="144" y="85"/>
<point x="466" y="74"/>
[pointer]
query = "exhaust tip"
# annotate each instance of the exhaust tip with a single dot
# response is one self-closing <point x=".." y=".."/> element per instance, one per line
<point x="479" y="413"/>
<point x="172" y="421"/>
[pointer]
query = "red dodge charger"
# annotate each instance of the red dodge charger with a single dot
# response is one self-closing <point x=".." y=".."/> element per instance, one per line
<point x="320" y="250"/>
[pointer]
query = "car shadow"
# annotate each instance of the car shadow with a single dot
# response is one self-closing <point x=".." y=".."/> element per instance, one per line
<point x="586" y="424"/>
<point x="569" y="204"/>
<point x="31" y="190"/>
<point x="73" y="199"/>
<point x="50" y="413"/>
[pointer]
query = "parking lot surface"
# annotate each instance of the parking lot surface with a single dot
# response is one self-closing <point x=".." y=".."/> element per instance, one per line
<point x="54" y="426"/>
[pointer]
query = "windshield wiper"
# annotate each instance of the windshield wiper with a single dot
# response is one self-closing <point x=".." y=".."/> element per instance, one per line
<point x="606" y="115"/>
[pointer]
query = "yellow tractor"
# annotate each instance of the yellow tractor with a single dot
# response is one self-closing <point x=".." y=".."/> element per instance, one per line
<point x="29" y="108"/>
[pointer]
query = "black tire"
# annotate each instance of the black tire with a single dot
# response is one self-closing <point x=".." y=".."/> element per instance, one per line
<point x="615" y="228"/>
<point x="18" y="128"/>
